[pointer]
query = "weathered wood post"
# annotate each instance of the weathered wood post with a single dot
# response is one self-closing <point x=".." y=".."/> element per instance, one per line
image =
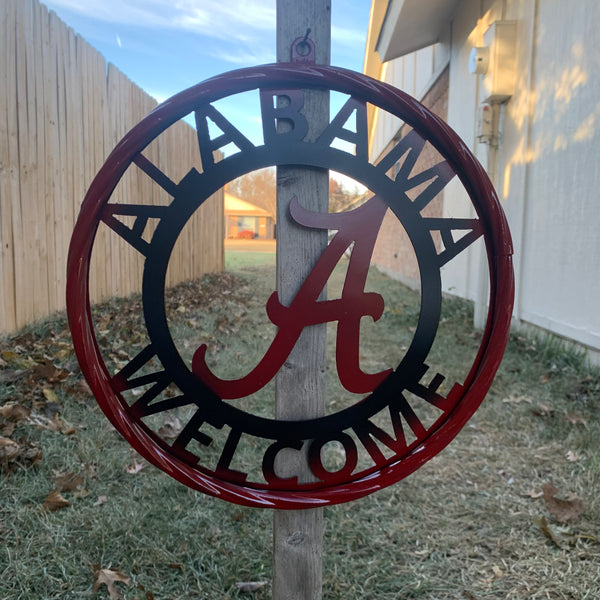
<point x="300" y="385"/>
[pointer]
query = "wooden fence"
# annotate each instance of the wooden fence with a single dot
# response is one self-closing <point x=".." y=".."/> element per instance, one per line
<point x="62" y="110"/>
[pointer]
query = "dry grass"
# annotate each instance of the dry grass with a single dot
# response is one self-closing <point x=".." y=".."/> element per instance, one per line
<point x="462" y="527"/>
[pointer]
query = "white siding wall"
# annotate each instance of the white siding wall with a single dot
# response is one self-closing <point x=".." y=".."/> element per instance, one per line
<point x="413" y="74"/>
<point x="546" y="170"/>
<point x="560" y="235"/>
<point x="461" y="276"/>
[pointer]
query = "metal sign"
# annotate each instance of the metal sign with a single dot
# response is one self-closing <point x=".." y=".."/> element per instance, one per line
<point x="380" y="437"/>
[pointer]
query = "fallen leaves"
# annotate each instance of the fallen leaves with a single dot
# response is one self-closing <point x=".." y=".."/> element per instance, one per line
<point x="171" y="428"/>
<point x="83" y="388"/>
<point x="56" y="424"/>
<point x="136" y="467"/>
<point x="30" y="375"/>
<point x="13" y="358"/>
<point x="514" y="399"/>
<point x="50" y="395"/>
<point x="575" y="419"/>
<point x="250" y="586"/>
<point x="16" y="413"/>
<point x="8" y="449"/>
<point x="13" y="414"/>
<point x="485" y="517"/>
<point x="557" y="536"/>
<point x="585" y="391"/>
<point x="54" y="501"/>
<point x="15" y="454"/>
<point x="110" y="578"/>
<point x="534" y="494"/>
<point x="68" y="482"/>
<point x="498" y="573"/>
<point x="542" y="410"/>
<point x="563" y="511"/>
<point x="47" y="370"/>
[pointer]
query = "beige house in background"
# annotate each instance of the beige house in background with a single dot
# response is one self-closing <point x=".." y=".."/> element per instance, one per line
<point x="534" y="66"/>
<point x="244" y="220"/>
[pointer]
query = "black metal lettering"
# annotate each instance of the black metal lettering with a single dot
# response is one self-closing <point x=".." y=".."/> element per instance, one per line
<point x="125" y="380"/>
<point x="155" y="174"/>
<point x="141" y="212"/>
<point x="336" y="129"/>
<point x="272" y="116"/>
<point x="316" y="463"/>
<point x="400" y="406"/>
<point x="438" y="175"/>
<point x="191" y="432"/>
<point x="268" y="462"/>
<point x="229" y="449"/>
<point x="230" y="135"/>
<point x="367" y="430"/>
<point x="429" y="393"/>
<point x="446" y="227"/>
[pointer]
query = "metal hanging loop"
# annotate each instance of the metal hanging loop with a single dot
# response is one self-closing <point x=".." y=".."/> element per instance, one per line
<point x="303" y="50"/>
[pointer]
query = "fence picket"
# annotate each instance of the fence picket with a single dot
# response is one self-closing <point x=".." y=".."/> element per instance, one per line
<point x="8" y="169"/>
<point x="62" y="111"/>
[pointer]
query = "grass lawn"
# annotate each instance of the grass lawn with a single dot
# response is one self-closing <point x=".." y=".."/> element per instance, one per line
<point x="479" y="521"/>
<point x="240" y="260"/>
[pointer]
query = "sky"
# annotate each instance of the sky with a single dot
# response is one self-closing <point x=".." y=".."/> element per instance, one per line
<point x="166" y="46"/>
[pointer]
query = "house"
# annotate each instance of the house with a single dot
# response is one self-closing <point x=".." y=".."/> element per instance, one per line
<point x="519" y="81"/>
<point x="244" y="220"/>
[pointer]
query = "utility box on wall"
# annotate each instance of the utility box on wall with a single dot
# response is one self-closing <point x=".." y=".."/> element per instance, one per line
<point x="500" y="77"/>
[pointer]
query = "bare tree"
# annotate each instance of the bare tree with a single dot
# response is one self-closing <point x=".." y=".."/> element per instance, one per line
<point x="259" y="188"/>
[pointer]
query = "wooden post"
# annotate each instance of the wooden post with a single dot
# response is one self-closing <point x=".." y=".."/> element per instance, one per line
<point x="300" y="385"/>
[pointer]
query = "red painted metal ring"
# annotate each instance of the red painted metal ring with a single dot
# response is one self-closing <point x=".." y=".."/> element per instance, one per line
<point x="430" y="127"/>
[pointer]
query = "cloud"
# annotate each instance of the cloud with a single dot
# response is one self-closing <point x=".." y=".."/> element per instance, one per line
<point x="240" y="32"/>
<point x="348" y="37"/>
<point x="244" y="57"/>
<point x="151" y="13"/>
<point x="214" y="18"/>
<point x="244" y="21"/>
<point x="220" y="18"/>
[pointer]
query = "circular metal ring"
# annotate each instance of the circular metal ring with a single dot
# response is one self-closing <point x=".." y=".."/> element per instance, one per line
<point x="345" y="484"/>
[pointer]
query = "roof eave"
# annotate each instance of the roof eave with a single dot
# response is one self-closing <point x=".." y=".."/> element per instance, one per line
<point x="410" y="25"/>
